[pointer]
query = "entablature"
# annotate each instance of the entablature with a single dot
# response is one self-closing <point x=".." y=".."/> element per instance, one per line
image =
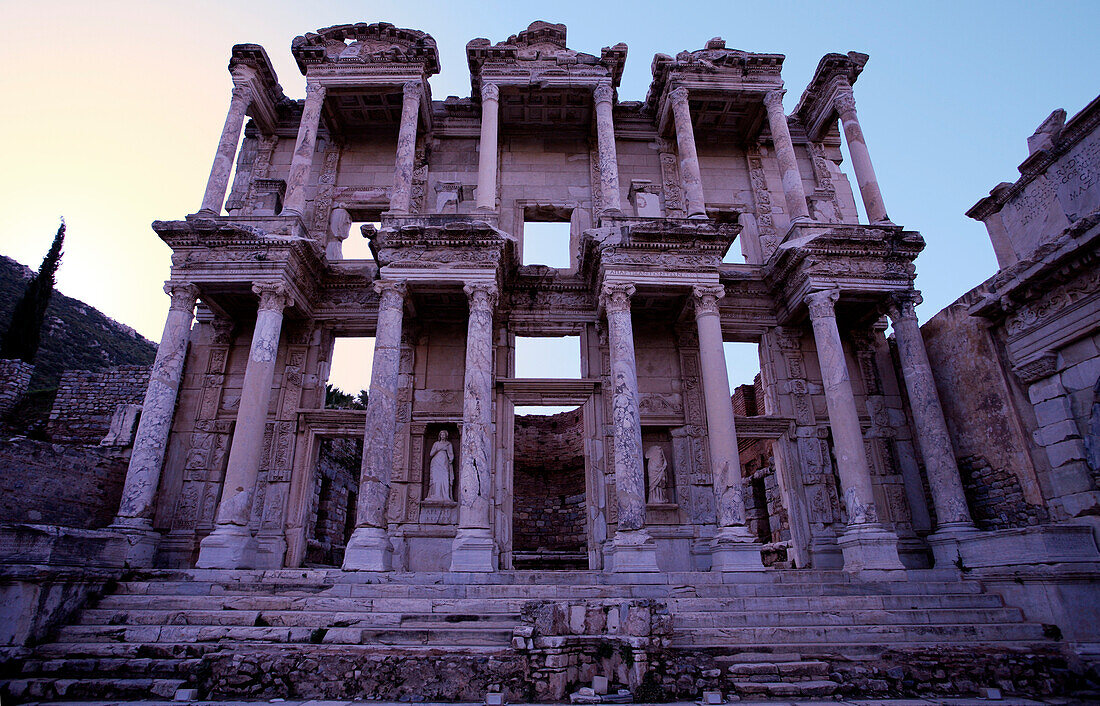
<point x="816" y="109"/>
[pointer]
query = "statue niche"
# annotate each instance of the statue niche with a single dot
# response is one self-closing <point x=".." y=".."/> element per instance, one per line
<point x="441" y="469"/>
<point x="657" y="476"/>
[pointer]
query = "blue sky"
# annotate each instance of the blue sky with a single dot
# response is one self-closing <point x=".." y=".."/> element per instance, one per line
<point x="112" y="110"/>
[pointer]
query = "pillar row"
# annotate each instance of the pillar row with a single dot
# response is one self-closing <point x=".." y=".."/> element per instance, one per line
<point x="302" y="161"/>
<point x="487" y="148"/>
<point x="406" y="147"/>
<point x="690" y="175"/>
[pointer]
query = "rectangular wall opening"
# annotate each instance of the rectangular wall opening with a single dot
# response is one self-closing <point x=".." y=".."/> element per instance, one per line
<point x="357" y="247"/>
<point x="547" y="242"/>
<point x="335" y="494"/>
<point x="349" y="372"/>
<point x="549" y="510"/>
<point x="543" y="357"/>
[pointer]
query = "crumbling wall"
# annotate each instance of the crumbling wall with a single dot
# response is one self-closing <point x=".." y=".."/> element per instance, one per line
<point x="86" y="401"/>
<point x="336" y="486"/>
<point x="549" y="504"/>
<point x="15" y="379"/>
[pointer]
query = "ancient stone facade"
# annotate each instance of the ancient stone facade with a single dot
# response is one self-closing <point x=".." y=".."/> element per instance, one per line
<point x="86" y="402"/>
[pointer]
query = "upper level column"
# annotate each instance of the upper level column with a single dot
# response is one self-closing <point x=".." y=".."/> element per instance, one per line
<point x="793" y="190"/>
<point x="487" y="148"/>
<point x="369" y="546"/>
<point x="734" y="546"/>
<point x="632" y="548"/>
<point x="214" y="198"/>
<point x="605" y="137"/>
<point x="845" y="103"/>
<point x="406" y="147"/>
<point x="689" y="159"/>
<point x="302" y="161"/>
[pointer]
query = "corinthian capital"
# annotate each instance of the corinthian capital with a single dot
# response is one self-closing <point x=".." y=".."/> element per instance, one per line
<point x="822" y="304"/>
<point x="314" y="91"/>
<point x="184" y="295"/>
<point x="706" y="298"/>
<point x="774" y="99"/>
<point x="391" y="293"/>
<point x="844" y="100"/>
<point x="903" y="305"/>
<point x="273" y="296"/>
<point x="413" y="89"/>
<point x="678" y="95"/>
<point x="603" y="92"/>
<point x="616" y="297"/>
<point x="241" y="93"/>
<point x="490" y="92"/>
<point x="482" y="295"/>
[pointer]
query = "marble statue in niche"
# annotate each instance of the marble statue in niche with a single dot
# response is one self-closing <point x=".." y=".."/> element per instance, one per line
<point x="656" y="466"/>
<point x="441" y="469"/>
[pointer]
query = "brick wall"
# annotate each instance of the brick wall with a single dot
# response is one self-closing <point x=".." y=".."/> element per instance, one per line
<point x="85" y="401"/>
<point x="548" y="505"/>
<point x="995" y="496"/>
<point x="71" y="486"/>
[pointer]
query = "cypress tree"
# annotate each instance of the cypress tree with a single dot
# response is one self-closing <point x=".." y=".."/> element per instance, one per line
<point x="25" y="330"/>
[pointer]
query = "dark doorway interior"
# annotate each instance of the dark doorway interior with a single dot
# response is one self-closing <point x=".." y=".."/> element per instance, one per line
<point x="335" y="494"/>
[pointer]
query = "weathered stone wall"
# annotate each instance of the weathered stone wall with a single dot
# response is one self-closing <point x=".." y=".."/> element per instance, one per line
<point x="15" y="378"/>
<point x="85" y="401"/>
<point x="336" y="486"/>
<point x="549" y="507"/>
<point x="70" y="486"/>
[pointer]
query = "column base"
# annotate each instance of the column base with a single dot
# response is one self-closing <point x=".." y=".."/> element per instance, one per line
<point x="633" y="552"/>
<point x="141" y="540"/>
<point x="871" y="551"/>
<point x="945" y="543"/>
<point x="270" y="552"/>
<point x="368" y="549"/>
<point x="735" y="549"/>
<point x="227" y="547"/>
<point x="472" y="551"/>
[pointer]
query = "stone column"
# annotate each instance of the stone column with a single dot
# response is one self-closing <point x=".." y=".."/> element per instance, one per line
<point x="735" y="548"/>
<point x="944" y="482"/>
<point x="216" y="185"/>
<point x="135" y="511"/>
<point x="605" y="138"/>
<point x="369" y="547"/>
<point x="406" y="148"/>
<point x="487" y="148"/>
<point x="689" y="158"/>
<point x="866" y="545"/>
<point x="231" y="545"/>
<point x="632" y="549"/>
<point x="845" y="103"/>
<point x="473" y="544"/>
<point x="793" y="190"/>
<point x="302" y="161"/>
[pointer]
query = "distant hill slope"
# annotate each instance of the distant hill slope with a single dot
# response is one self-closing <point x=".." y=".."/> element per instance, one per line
<point x="75" y="336"/>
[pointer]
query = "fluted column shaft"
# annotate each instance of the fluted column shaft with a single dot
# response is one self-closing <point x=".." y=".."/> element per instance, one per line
<point x="793" y="191"/>
<point x="214" y="197"/>
<point x="845" y="103"/>
<point x="605" y="138"/>
<point x="302" y="161"/>
<point x="851" y="456"/>
<point x="143" y="474"/>
<point x="690" y="175"/>
<point x="935" y="442"/>
<point x="406" y="148"/>
<point x="473" y="546"/>
<point x="487" y="148"/>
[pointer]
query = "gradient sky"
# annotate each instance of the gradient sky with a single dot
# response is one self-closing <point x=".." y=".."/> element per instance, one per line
<point x="112" y="110"/>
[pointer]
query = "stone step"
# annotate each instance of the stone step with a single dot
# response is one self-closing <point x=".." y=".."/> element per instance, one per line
<point x="791" y="636"/>
<point x="335" y="604"/>
<point x="49" y="688"/>
<point x="802" y="603"/>
<point x="812" y="688"/>
<point x="290" y="618"/>
<point x="101" y="666"/>
<point x="847" y="617"/>
<point x="230" y="633"/>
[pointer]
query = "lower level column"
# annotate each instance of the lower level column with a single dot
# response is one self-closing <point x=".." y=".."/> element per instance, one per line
<point x="135" y="511"/>
<point x="231" y="545"/>
<point x="632" y="548"/>
<point x="472" y="549"/>
<point x="865" y="543"/>
<point x="369" y="547"/>
<point x="735" y="549"/>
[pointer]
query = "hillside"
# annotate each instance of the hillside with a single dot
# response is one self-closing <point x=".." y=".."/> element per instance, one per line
<point x="75" y="336"/>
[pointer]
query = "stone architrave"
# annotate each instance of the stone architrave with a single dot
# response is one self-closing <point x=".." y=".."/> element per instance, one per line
<point x="369" y="547"/>
<point x="135" y="511"/>
<point x="689" y="158"/>
<point x="944" y="482"/>
<point x="845" y="103"/>
<point x="406" y="147"/>
<point x="734" y="548"/>
<point x="231" y="545"/>
<point x="302" y="161"/>
<point x="866" y="544"/>
<point x="473" y="544"/>
<point x="632" y="548"/>
<point x="214" y="197"/>
<point x="793" y="191"/>
<point x="487" y="148"/>
<point x="605" y="136"/>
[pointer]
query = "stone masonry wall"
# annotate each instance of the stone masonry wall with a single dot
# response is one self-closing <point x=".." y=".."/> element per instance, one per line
<point x="15" y="378"/>
<point x="70" y="486"/>
<point x="85" y="401"/>
<point x="336" y="488"/>
<point x="549" y="508"/>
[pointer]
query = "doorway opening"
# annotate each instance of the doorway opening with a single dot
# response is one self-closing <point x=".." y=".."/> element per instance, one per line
<point x="549" y="509"/>
<point x="335" y="494"/>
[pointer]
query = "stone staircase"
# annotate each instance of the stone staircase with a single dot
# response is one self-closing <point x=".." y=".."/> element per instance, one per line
<point x="258" y="632"/>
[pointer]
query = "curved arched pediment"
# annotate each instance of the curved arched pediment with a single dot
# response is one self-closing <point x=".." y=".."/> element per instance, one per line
<point x="379" y="42"/>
